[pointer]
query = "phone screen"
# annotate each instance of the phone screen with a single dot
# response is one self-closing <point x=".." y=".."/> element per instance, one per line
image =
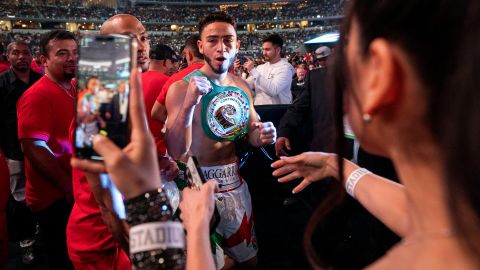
<point x="103" y="91"/>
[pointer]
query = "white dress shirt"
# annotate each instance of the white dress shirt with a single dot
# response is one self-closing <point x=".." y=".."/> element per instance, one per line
<point x="272" y="82"/>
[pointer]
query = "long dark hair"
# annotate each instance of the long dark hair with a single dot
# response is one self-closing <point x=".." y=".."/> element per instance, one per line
<point x="434" y="35"/>
<point x="460" y="133"/>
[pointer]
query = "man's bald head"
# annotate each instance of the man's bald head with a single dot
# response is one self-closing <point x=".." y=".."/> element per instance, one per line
<point x="128" y="24"/>
<point x="122" y="24"/>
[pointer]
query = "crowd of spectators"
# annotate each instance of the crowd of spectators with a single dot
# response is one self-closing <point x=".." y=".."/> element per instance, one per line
<point x="251" y="43"/>
<point x="76" y="12"/>
<point x="162" y="13"/>
<point x="243" y="12"/>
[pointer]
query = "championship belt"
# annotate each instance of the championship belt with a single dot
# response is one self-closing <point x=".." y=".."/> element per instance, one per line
<point x="225" y="111"/>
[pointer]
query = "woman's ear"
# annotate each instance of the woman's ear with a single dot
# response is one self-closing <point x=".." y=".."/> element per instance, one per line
<point x="384" y="76"/>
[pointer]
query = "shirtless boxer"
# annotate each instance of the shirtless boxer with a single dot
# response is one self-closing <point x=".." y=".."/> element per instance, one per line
<point x="209" y="109"/>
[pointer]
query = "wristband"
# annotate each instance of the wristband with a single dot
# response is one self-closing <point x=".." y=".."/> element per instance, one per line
<point x="147" y="207"/>
<point x="353" y="179"/>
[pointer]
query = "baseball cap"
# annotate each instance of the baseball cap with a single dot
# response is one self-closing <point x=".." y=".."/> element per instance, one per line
<point x="163" y="52"/>
<point x="323" y="51"/>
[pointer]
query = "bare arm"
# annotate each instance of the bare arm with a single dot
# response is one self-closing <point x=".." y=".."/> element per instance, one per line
<point x="179" y="127"/>
<point x="385" y="199"/>
<point x="159" y="112"/>
<point x="197" y="208"/>
<point x="42" y="158"/>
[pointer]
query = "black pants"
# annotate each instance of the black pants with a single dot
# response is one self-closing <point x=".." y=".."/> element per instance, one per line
<point x="21" y="222"/>
<point x="53" y="225"/>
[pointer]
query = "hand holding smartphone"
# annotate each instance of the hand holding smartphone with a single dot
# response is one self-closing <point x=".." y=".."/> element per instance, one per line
<point x="103" y="89"/>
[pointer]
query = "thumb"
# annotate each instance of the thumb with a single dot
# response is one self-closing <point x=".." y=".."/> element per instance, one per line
<point x="106" y="148"/>
<point x="210" y="187"/>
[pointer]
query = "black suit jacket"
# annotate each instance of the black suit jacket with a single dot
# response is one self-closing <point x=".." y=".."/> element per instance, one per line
<point x="311" y="114"/>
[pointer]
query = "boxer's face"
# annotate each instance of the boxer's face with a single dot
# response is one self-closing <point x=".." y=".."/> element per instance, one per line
<point x="219" y="45"/>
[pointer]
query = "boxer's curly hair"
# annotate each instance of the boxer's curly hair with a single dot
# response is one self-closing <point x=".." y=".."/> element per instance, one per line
<point x="217" y="16"/>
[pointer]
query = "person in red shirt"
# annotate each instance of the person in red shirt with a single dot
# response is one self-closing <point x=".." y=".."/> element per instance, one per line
<point x="37" y="65"/>
<point x="194" y="60"/>
<point x="45" y="112"/>
<point x="163" y="64"/>
<point x="96" y="237"/>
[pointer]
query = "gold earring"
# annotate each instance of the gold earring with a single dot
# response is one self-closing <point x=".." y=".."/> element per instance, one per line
<point x="367" y="118"/>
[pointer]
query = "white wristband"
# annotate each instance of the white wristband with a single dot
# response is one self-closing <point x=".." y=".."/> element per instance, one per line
<point x="353" y="179"/>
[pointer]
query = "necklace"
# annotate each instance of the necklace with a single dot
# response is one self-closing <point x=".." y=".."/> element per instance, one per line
<point x="67" y="91"/>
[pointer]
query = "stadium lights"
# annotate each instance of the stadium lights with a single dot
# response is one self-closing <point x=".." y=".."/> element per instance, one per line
<point x="325" y="38"/>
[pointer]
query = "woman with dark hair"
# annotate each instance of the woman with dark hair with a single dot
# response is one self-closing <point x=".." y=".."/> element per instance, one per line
<point x="406" y="76"/>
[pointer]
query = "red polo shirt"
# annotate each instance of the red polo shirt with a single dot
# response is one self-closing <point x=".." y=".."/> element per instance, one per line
<point x="45" y="112"/>
<point x="174" y="78"/>
<point x="152" y="83"/>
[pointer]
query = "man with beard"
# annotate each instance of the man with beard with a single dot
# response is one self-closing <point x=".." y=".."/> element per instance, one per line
<point x="45" y="112"/>
<point x="13" y="84"/>
<point x="210" y="109"/>
<point x="272" y="80"/>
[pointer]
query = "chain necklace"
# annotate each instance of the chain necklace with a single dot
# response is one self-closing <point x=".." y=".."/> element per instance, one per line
<point x="67" y="91"/>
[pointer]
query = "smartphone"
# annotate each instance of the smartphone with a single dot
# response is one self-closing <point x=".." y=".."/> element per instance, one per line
<point x="195" y="179"/>
<point x="103" y="91"/>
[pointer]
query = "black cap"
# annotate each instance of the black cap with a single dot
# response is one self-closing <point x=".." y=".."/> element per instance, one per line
<point x="163" y="52"/>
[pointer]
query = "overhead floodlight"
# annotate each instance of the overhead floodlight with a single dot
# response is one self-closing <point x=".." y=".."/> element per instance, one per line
<point x="325" y="38"/>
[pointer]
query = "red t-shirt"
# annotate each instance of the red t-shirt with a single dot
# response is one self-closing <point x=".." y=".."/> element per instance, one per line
<point x="45" y="112"/>
<point x="39" y="68"/>
<point x="87" y="234"/>
<point x="174" y="78"/>
<point x="152" y="82"/>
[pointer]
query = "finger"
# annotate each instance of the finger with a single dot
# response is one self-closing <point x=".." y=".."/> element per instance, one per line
<point x="293" y="159"/>
<point x="287" y="144"/>
<point x="88" y="166"/>
<point x="277" y="164"/>
<point x="213" y="184"/>
<point x="278" y="149"/>
<point x="267" y="130"/>
<point x="110" y="152"/>
<point x="301" y="186"/>
<point x="285" y="169"/>
<point x="267" y="136"/>
<point x="137" y="108"/>
<point x="267" y="125"/>
<point x="289" y="177"/>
